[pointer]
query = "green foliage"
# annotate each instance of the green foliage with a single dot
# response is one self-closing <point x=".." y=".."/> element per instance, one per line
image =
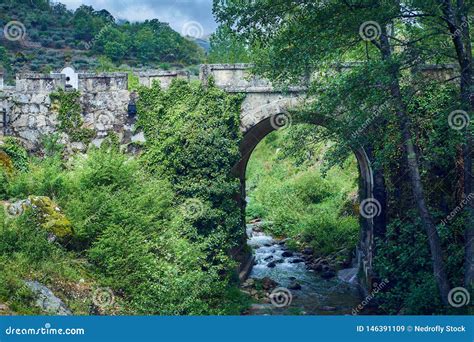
<point x="70" y="116"/>
<point x="285" y="187"/>
<point x="127" y="228"/>
<point x="133" y="224"/>
<point x="192" y="139"/>
<point x="227" y="48"/>
<point x="82" y="36"/>
<point x="16" y="152"/>
<point x="362" y="106"/>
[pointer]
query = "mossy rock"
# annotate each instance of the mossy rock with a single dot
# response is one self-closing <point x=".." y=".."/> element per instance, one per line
<point x="50" y="217"/>
<point x="6" y="163"/>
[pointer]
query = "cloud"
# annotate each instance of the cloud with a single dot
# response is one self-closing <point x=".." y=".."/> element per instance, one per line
<point x="175" y="12"/>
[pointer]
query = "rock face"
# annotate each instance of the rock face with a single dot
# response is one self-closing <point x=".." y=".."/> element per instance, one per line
<point x="348" y="275"/>
<point x="46" y="300"/>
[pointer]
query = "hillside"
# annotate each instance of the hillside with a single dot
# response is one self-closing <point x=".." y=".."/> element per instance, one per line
<point x="40" y="36"/>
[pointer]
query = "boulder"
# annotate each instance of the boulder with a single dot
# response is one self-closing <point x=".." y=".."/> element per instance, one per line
<point x="50" y="217"/>
<point x="294" y="286"/>
<point x="328" y="274"/>
<point x="308" y="251"/>
<point x="46" y="300"/>
<point x="271" y="264"/>
<point x="248" y="283"/>
<point x="6" y="162"/>
<point x="287" y="254"/>
<point x="268" y="283"/>
<point x="296" y="260"/>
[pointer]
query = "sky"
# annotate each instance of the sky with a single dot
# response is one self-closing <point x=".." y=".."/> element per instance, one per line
<point x="189" y="17"/>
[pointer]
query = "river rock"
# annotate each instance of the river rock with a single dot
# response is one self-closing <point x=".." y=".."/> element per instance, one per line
<point x="271" y="264"/>
<point x="308" y="251"/>
<point x="294" y="286"/>
<point x="280" y="261"/>
<point x="317" y="267"/>
<point x="268" y="283"/>
<point x="287" y="254"/>
<point x="328" y="274"/>
<point x="249" y="282"/>
<point x="46" y="300"/>
<point x="268" y="258"/>
<point x="296" y="261"/>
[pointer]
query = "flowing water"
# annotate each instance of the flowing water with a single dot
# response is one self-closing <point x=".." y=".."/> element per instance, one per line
<point x="317" y="296"/>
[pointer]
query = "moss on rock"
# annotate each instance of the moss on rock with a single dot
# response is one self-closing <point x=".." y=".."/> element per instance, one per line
<point x="6" y="163"/>
<point x="50" y="217"/>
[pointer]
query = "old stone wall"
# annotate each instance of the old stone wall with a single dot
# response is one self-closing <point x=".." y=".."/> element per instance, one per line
<point x="30" y="114"/>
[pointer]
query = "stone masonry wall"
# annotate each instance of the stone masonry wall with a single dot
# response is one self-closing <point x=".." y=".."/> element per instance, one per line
<point x="29" y="113"/>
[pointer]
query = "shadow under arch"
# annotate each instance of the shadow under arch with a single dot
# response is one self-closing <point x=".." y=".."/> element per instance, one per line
<point x="365" y="247"/>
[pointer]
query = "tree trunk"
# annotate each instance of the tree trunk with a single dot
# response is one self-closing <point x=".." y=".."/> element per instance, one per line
<point x="458" y="25"/>
<point x="414" y="172"/>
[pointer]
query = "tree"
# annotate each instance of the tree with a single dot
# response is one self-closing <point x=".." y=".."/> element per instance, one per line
<point x="115" y="51"/>
<point x="227" y="48"/>
<point x="455" y="16"/>
<point x="301" y="37"/>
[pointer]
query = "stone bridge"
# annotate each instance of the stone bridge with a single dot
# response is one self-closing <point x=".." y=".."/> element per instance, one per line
<point x="26" y="112"/>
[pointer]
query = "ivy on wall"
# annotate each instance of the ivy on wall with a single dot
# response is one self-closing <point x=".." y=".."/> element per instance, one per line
<point x="69" y="115"/>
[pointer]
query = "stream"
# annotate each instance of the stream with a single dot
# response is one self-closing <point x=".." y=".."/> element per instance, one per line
<point x="310" y="293"/>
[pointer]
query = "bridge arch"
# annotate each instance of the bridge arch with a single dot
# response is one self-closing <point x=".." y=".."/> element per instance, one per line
<point x="257" y="124"/>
